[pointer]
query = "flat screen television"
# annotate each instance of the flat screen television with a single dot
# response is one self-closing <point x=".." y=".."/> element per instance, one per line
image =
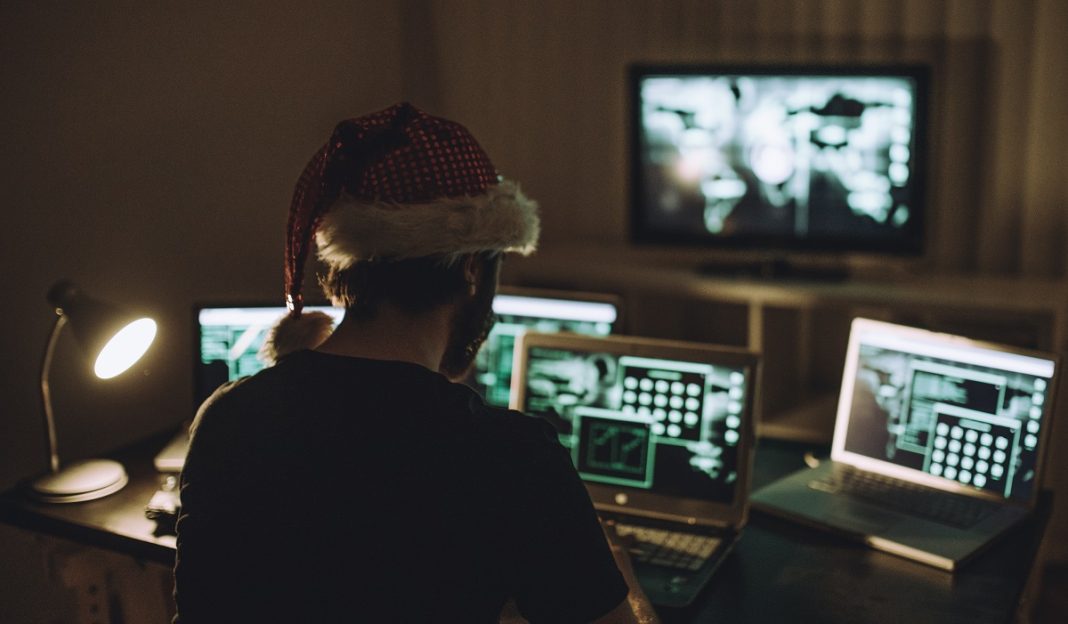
<point x="779" y="159"/>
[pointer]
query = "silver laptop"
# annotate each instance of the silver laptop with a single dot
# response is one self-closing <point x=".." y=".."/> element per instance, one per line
<point x="938" y="445"/>
<point x="662" y="435"/>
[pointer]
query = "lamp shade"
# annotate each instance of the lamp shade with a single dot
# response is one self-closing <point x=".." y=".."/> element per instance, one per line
<point x="109" y="335"/>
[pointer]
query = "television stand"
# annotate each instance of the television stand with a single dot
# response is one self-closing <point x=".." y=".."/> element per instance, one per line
<point x="774" y="269"/>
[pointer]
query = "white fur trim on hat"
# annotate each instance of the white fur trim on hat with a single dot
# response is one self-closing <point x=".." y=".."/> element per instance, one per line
<point x="501" y="219"/>
<point x="291" y="333"/>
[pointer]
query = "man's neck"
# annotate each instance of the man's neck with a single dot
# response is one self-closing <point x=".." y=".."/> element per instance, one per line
<point x="394" y="335"/>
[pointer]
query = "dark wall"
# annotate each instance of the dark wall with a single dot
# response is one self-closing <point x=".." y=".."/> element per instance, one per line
<point x="149" y="153"/>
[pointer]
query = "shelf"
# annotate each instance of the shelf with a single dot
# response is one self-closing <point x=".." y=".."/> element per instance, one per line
<point x="799" y="326"/>
<point x="812" y="422"/>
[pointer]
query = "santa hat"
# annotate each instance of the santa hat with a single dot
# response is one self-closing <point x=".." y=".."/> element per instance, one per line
<point x="393" y="185"/>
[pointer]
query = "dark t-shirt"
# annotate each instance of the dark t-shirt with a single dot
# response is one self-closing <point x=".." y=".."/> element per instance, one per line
<point x="338" y="489"/>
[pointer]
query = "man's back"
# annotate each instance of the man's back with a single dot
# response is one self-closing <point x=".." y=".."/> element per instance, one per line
<point x="335" y="488"/>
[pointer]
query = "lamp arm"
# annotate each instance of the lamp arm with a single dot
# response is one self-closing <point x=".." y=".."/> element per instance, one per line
<point x="46" y="392"/>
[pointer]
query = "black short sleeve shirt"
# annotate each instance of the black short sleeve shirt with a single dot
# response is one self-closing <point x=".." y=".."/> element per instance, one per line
<point x="337" y="489"/>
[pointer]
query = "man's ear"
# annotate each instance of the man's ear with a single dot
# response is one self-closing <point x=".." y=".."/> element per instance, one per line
<point x="472" y="267"/>
<point x="472" y="272"/>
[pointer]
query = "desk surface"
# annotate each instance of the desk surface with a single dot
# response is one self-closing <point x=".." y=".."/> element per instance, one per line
<point x="783" y="572"/>
<point x="779" y="572"/>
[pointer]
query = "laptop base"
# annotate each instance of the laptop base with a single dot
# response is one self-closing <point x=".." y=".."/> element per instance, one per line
<point x="919" y="539"/>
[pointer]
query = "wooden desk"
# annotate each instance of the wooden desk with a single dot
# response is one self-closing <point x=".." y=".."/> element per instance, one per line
<point x="116" y="522"/>
<point x="779" y="572"/>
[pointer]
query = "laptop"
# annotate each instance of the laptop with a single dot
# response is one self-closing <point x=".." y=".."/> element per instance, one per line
<point x="938" y="448"/>
<point x="227" y="341"/>
<point x="547" y="311"/>
<point x="661" y="433"/>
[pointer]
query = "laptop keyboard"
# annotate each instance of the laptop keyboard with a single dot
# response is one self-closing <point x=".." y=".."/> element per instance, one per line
<point x="916" y="500"/>
<point x="673" y="549"/>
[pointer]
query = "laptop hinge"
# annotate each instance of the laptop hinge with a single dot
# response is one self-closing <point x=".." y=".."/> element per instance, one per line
<point x="656" y="515"/>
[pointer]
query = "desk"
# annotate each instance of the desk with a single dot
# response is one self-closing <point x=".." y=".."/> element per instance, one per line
<point x="782" y="572"/>
<point x="779" y="572"/>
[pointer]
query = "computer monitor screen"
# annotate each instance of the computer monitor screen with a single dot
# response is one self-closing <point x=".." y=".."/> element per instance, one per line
<point x="668" y="426"/>
<point x="793" y="158"/>
<point x="228" y="341"/>
<point x="545" y="313"/>
<point x="966" y="414"/>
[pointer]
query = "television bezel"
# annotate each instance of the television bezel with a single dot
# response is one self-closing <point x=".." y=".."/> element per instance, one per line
<point x="912" y="241"/>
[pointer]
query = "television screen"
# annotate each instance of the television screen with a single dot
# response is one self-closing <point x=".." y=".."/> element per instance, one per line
<point x="821" y="159"/>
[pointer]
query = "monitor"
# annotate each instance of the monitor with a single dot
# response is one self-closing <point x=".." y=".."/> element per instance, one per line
<point x="228" y="340"/>
<point x="641" y="415"/>
<point x="958" y="412"/>
<point x="520" y="310"/>
<point x="779" y="158"/>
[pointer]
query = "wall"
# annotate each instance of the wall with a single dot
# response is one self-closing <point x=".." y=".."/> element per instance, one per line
<point x="149" y="153"/>
<point x="545" y="84"/>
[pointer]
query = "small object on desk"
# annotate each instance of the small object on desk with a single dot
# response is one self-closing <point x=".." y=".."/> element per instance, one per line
<point x="172" y="458"/>
<point x="165" y="504"/>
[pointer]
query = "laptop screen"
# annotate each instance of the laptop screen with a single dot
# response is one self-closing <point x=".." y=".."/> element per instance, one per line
<point x="517" y="313"/>
<point x="228" y="341"/>
<point x="952" y="409"/>
<point x="670" y="427"/>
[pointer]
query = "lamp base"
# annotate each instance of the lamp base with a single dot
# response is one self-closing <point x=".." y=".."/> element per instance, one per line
<point x="81" y="481"/>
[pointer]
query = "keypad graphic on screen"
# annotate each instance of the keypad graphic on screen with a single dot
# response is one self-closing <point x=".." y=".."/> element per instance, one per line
<point x="669" y="426"/>
<point x="516" y="314"/>
<point x="973" y="423"/>
<point x="973" y="448"/>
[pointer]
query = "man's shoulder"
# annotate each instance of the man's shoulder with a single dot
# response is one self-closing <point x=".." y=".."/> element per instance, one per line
<point x="520" y="441"/>
<point x="509" y="422"/>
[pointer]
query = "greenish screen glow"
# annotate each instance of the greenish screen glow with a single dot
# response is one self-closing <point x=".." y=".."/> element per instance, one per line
<point x="230" y="340"/>
<point x="663" y="425"/>
<point x="492" y="376"/>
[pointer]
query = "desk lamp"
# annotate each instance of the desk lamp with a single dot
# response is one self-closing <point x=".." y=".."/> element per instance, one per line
<point x="113" y="339"/>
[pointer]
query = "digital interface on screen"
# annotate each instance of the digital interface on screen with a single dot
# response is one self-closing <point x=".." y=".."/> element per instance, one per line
<point x="801" y="160"/>
<point x="671" y="427"/>
<point x="492" y="376"/>
<point x="972" y="422"/>
<point x="230" y="341"/>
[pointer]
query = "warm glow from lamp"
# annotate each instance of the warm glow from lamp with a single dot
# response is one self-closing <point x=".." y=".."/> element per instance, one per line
<point x="125" y="348"/>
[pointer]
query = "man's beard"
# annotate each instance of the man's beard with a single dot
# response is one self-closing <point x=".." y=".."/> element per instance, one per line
<point x="470" y="327"/>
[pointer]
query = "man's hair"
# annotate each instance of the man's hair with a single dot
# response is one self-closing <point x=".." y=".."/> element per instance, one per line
<point x="415" y="285"/>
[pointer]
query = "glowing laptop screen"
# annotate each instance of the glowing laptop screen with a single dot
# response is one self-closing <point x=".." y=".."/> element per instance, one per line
<point x="966" y="414"/>
<point x="672" y="427"/>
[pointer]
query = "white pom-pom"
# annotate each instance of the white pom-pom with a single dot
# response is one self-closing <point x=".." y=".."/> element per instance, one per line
<point x="290" y="334"/>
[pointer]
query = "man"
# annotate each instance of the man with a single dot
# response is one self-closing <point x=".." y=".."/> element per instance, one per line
<point x="353" y="480"/>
